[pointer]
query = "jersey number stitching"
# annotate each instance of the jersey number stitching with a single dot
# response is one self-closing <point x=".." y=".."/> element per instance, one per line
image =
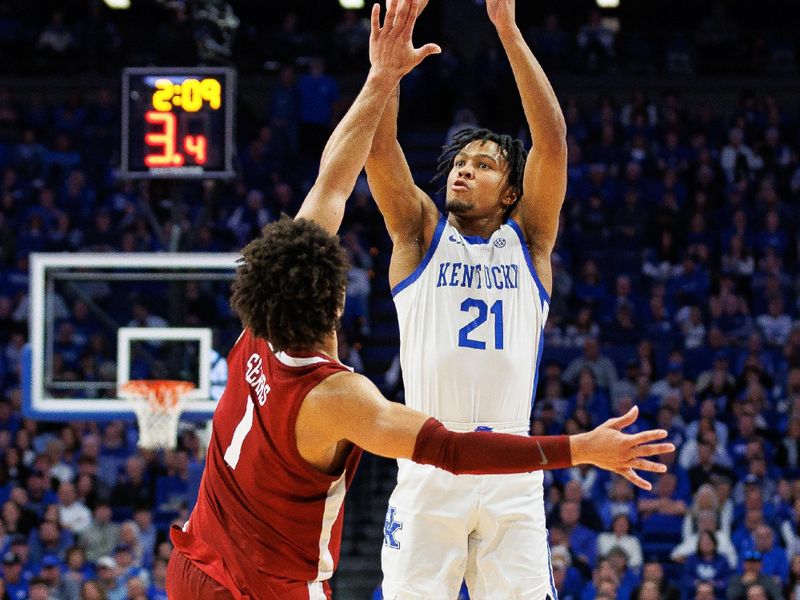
<point x="242" y="429"/>
<point x="464" y="341"/>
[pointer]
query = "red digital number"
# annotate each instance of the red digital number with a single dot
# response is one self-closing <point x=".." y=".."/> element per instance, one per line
<point x="165" y="138"/>
<point x="196" y="146"/>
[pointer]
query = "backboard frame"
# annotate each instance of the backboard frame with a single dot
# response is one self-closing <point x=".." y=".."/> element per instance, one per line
<point x="37" y="404"/>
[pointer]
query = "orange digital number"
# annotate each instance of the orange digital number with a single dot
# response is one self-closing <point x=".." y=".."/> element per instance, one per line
<point x="165" y="139"/>
<point x="196" y="146"/>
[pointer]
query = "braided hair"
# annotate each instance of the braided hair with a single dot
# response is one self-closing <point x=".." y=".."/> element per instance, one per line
<point x="511" y="149"/>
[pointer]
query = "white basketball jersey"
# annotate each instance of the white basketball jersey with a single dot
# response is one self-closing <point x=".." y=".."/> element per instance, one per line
<point x="471" y="321"/>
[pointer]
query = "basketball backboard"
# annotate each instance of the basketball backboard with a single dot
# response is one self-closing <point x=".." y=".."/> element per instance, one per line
<point x="98" y="320"/>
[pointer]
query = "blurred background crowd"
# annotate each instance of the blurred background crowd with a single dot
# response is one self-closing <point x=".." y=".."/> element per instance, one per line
<point x="676" y="273"/>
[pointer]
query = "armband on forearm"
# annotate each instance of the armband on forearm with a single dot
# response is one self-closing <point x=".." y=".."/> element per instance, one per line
<point x="481" y="452"/>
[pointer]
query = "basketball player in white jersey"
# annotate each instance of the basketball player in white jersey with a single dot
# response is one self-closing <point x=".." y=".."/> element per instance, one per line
<point x="472" y="292"/>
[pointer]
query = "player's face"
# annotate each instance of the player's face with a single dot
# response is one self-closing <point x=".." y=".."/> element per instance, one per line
<point x="478" y="182"/>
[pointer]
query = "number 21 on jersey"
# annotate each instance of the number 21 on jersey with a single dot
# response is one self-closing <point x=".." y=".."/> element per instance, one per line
<point x="468" y="337"/>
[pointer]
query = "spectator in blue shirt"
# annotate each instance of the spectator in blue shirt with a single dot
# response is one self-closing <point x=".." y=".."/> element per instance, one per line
<point x="589" y="288"/>
<point x="604" y="582"/>
<point x="774" y="560"/>
<point x="743" y="536"/>
<point x="16" y="585"/>
<point x="706" y="565"/>
<point x="628" y="578"/>
<point x="746" y="435"/>
<point x="590" y="397"/>
<point x="772" y="236"/>
<point x="690" y="283"/>
<point x="158" y="585"/>
<point x="50" y="576"/>
<point x="567" y="579"/>
<point x="283" y="110"/>
<point x="582" y="540"/>
<point x="653" y="575"/>
<point x="775" y="324"/>
<point x="75" y="572"/>
<point x="319" y="93"/>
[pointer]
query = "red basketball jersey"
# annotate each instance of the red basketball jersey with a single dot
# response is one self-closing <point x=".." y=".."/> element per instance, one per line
<point x="262" y="511"/>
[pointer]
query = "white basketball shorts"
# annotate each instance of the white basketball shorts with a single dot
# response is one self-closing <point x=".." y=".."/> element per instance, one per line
<point x="488" y="529"/>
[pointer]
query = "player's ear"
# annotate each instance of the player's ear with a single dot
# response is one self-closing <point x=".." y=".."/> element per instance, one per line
<point x="509" y="197"/>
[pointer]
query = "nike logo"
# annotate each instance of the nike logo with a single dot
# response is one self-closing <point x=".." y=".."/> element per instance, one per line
<point x="544" y="458"/>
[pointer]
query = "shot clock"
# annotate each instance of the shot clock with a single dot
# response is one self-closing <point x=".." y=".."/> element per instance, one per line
<point x="177" y="123"/>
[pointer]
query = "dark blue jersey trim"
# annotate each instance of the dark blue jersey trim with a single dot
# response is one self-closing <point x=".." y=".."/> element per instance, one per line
<point x="475" y="239"/>
<point x="513" y="224"/>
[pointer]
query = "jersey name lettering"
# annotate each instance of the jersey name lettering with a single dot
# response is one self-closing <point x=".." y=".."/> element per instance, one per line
<point x="255" y="377"/>
<point x="497" y="277"/>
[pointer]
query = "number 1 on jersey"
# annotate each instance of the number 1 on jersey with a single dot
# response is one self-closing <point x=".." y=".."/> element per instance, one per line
<point x="242" y="429"/>
<point x="464" y="341"/>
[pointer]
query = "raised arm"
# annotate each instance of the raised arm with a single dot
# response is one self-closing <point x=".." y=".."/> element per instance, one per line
<point x="545" y="179"/>
<point x="349" y="407"/>
<point x="404" y="206"/>
<point x="392" y="55"/>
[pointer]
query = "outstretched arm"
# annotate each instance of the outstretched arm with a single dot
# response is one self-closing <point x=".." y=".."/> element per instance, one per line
<point x="349" y="407"/>
<point x="392" y="55"/>
<point x="545" y="179"/>
<point x="404" y="206"/>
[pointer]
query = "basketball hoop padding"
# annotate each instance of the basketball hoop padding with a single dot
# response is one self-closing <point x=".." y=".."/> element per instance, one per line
<point x="158" y="404"/>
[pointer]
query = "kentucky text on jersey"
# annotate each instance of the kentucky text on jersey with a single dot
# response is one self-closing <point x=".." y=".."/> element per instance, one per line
<point x="458" y="274"/>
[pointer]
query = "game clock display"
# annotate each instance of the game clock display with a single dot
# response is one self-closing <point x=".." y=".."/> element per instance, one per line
<point x="177" y="123"/>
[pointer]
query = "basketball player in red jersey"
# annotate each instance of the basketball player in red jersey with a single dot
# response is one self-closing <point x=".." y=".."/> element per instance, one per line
<point x="290" y="426"/>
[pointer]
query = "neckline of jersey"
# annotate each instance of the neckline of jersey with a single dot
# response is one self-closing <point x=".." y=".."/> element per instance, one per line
<point x="477" y="239"/>
<point x="306" y="359"/>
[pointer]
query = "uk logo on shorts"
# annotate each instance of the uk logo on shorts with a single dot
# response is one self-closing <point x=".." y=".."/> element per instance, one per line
<point x="390" y="528"/>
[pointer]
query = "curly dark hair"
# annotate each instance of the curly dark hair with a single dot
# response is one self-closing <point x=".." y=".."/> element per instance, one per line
<point x="512" y="150"/>
<point x="290" y="284"/>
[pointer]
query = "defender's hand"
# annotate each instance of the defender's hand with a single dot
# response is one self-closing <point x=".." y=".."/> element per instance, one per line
<point x="622" y="453"/>
<point x="391" y="52"/>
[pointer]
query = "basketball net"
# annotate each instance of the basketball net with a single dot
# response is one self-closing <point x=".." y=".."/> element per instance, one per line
<point x="158" y="404"/>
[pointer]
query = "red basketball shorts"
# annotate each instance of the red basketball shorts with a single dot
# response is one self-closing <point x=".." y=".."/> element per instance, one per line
<point x="185" y="581"/>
